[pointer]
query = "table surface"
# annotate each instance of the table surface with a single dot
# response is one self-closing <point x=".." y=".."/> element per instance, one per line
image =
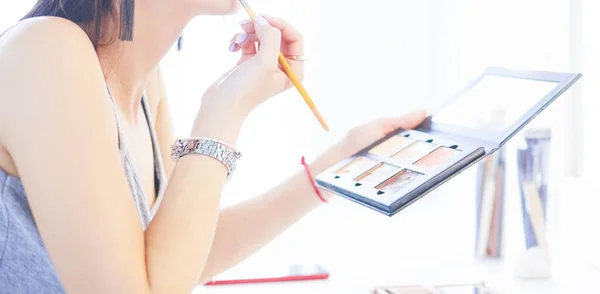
<point x="568" y="277"/>
<point x="428" y="243"/>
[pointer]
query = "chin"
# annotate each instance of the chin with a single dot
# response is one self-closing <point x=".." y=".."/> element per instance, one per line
<point x="225" y="7"/>
<point x="234" y="7"/>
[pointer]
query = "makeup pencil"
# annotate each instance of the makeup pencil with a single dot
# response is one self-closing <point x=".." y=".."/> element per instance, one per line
<point x="292" y="76"/>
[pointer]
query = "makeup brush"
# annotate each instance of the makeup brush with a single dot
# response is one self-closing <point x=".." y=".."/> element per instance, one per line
<point x="291" y="75"/>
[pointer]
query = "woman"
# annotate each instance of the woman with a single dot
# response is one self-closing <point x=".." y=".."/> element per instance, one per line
<point x="85" y="129"/>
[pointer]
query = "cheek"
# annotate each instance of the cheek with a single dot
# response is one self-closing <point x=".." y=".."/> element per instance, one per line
<point x="217" y="7"/>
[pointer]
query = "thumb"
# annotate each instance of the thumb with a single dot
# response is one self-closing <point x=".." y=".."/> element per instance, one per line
<point x="408" y="121"/>
<point x="270" y="41"/>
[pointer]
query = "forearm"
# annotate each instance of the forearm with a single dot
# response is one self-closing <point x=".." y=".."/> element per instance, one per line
<point x="247" y="227"/>
<point x="179" y="238"/>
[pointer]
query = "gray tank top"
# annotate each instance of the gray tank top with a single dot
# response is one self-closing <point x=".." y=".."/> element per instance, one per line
<point x="25" y="266"/>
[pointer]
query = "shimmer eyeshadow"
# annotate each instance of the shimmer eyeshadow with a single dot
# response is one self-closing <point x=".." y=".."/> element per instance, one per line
<point x="407" y="163"/>
<point x="414" y="151"/>
<point x="398" y="181"/>
<point x="356" y="166"/>
<point x="378" y="174"/>
<point x="391" y="146"/>
<point x="438" y="157"/>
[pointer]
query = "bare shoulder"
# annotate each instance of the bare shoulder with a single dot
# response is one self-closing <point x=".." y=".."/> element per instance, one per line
<point x="44" y="50"/>
<point x="55" y="32"/>
<point x="48" y="66"/>
<point x="39" y="43"/>
<point x="43" y="58"/>
<point x="58" y="126"/>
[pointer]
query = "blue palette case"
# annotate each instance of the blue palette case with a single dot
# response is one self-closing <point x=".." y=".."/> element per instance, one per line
<point x="399" y="169"/>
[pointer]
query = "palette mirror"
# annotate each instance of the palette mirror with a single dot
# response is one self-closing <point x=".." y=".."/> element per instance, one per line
<point x="397" y="170"/>
<point x="475" y="108"/>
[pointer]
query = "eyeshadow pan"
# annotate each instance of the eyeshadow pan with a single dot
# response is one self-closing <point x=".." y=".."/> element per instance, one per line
<point x="378" y="174"/>
<point x="414" y="151"/>
<point x="356" y="166"/>
<point x="410" y="290"/>
<point x="465" y="289"/>
<point x="437" y="158"/>
<point x="391" y="145"/>
<point x="398" y="181"/>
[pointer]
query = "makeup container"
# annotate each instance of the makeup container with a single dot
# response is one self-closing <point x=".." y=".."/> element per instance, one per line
<point x="479" y="288"/>
<point x="399" y="169"/>
<point x="489" y="201"/>
<point x="533" y="178"/>
<point x="533" y="169"/>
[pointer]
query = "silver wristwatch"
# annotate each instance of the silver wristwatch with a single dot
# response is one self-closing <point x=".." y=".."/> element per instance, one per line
<point x="221" y="151"/>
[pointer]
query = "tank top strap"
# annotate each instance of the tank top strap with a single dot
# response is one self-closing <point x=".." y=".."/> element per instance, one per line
<point x="160" y="176"/>
<point x="116" y="113"/>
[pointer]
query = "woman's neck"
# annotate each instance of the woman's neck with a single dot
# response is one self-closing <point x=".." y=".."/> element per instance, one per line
<point x="128" y="65"/>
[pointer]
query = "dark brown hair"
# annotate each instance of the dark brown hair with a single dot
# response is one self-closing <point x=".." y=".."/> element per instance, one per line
<point x="89" y="14"/>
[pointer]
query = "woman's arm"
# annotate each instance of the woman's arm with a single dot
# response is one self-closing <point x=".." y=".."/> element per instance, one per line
<point x="58" y="126"/>
<point x="159" y="102"/>
<point x="245" y="228"/>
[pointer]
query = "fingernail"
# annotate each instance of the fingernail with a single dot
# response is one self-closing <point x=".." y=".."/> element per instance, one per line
<point x="241" y="38"/>
<point x="245" y="21"/>
<point x="260" y="20"/>
<point x="233" y="47"/>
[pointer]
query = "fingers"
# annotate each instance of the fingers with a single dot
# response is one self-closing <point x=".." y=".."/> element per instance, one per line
<point x="408" y="121"/>
<point x="291" y="38"/>
<point x="249" y="47"/>
<point x="270" y="42"/>
<point x="236" y="41"/>
<point x="245" y="42"/>
<point x="288" y="32"/>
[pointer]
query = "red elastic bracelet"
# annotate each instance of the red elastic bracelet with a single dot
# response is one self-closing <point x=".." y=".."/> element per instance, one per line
<point x="312" y="181"/>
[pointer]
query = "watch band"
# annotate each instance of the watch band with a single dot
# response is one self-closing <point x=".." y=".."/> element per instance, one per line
<point x="221" y="151"/>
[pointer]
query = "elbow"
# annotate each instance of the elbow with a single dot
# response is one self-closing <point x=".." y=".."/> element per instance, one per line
<point x="169" y="288"/>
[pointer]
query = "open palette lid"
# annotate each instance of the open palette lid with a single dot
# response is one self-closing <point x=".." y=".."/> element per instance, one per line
<point x="498" y="104"/>
<point x="399" y="169"/>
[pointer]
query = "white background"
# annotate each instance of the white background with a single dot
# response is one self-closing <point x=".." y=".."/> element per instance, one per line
<point x="387" y="57"/>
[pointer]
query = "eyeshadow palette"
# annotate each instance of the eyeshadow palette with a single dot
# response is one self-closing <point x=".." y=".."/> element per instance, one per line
<point x="404" y="166"/>
<point x="480" y="288"/>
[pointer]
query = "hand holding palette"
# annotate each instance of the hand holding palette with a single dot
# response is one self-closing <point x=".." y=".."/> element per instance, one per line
<point x="401" y="168"/>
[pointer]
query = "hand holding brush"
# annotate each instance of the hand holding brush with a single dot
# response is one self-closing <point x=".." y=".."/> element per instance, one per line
<point x="289" y="51"/>
<point x="257" y="76"/>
